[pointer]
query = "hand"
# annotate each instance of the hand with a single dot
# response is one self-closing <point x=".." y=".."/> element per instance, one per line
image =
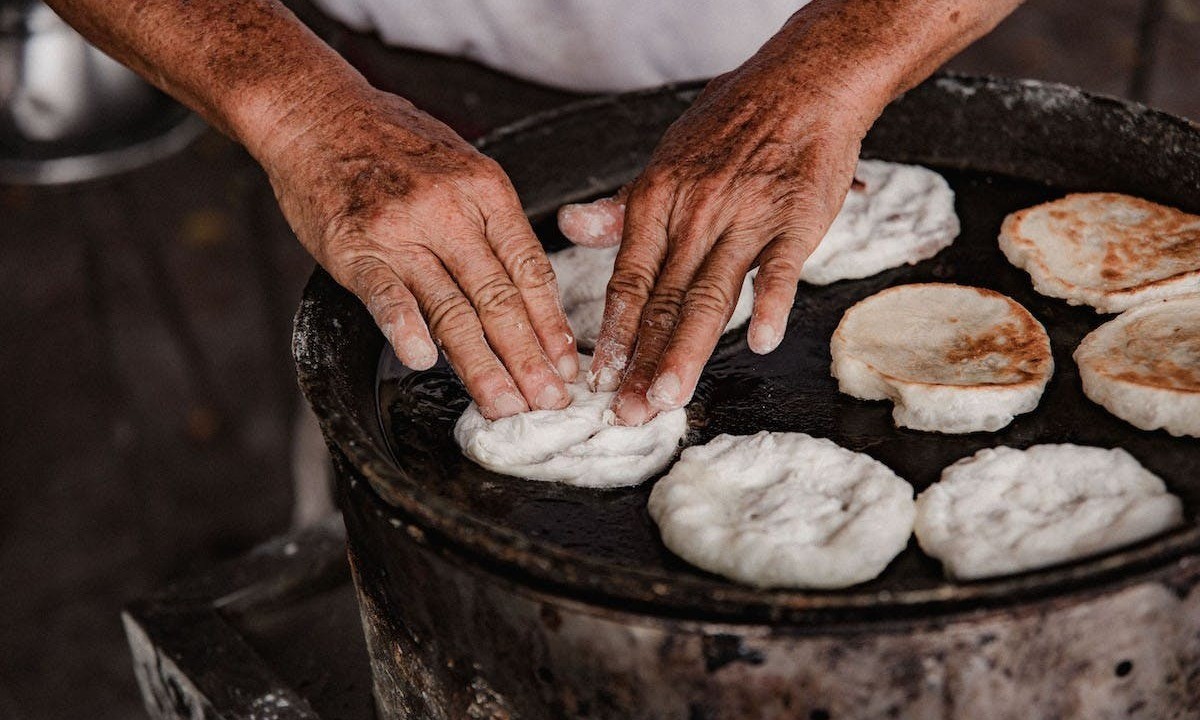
<point x="430" y="235"/>
<point x="752" y="174"/>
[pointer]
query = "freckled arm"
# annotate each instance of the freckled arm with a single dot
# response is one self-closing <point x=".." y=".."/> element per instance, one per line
<point x="400" y="210"/>
<point x="876" y="49"/>
<point x="752" y="174"/>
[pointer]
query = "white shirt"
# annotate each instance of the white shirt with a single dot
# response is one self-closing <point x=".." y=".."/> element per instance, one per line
<point x="585" y="45"/>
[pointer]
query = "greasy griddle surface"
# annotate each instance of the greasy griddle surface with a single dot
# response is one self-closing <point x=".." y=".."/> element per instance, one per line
<point x="790" y="390"/>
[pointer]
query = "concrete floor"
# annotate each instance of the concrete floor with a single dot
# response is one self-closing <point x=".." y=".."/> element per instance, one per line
<point x="149" y="395"/>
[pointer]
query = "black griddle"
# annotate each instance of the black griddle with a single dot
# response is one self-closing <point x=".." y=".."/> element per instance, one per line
<point x="1002" y="145"/>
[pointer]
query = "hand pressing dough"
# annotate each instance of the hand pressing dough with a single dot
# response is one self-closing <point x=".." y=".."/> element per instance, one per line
<point x="953" y="359"/>
<point x="578" y="445"/>
<point x="783" y="510"/>
<point x="1144" y="365"/>
<point x="1106" y="250"/>
<point x="1005" y="510"/>
<point x="583" y="274"/>
<point x="893" y="215"/>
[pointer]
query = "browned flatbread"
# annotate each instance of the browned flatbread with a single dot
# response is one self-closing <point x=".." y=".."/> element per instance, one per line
<point x="1144" y="365"/>
<point x="952" y="358"/>
<point x="1106" y="250"/>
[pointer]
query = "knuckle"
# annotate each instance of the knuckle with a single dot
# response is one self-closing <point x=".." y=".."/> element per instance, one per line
<point x="487" y="175"/>
<point x="368" y="275"/>
<point x="709" y="299"/>
<point x="361" y="263"/>
<point x="508" y="229"/>
<point x="344" y="236"/>
<point x="532" y="270"/>
<point x="754" y="230"/>
<point x="485" y="374"/>
<point x="663" y="309"/>
<point x="653" y="188"/>
<point x="779" y="271"/>
<point x="529" y="364"/>
<point x="629" y="284"/>
<point x="710" y="187"/>
<point x="496" y="294"/>
<point x="798" y="238"/>
<point x="449" y="315"/>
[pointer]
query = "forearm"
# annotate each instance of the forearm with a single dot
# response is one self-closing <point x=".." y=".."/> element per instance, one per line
<point x="248" y="67"/>
<point x="863" y="53"/>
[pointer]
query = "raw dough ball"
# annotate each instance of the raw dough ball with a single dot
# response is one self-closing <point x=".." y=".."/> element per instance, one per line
<point x="1144" y="365"/>
<point x="578" y="445"/>
<point x="1005" y="510"/>
<point x="1106" y="250"/>
<point x="953" y="359"/>
<point x="783" y="510"/>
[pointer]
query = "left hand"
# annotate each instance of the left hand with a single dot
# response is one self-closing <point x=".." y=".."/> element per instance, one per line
<point x="752" y="174"/>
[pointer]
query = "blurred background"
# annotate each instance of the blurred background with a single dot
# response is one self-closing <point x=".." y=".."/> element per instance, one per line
<point x="150" y="423"/>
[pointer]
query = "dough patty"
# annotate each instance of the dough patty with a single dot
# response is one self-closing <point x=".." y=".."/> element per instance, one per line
<point x="1005" y="510"/>
<point x="783" y="510"/>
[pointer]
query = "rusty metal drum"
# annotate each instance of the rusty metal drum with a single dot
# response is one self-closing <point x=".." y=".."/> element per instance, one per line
<point x="484" y="596"/>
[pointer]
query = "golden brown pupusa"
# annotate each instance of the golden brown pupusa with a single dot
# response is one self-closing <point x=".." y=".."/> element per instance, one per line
<point x="1106" y="250"/>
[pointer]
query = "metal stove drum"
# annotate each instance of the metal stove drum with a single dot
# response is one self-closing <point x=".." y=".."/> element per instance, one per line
<point x="485" y="596"/>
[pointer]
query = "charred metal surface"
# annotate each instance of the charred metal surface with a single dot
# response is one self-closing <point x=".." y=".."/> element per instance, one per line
<point x="792" y="390"/>
<point x="486" y="596"/>
<point x="449" y="640"/>
<point x="720" y="650"/>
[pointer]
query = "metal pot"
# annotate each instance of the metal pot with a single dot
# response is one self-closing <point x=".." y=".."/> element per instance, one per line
<point x="485" y="596"/>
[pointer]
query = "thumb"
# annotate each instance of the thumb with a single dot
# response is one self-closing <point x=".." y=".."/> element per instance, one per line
<point x="597" y="224"/>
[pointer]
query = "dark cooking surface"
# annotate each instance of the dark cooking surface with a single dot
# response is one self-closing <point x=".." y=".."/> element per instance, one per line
<point x="792" y="390"/>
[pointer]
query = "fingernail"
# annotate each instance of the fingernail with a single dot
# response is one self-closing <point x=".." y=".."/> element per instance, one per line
<point x="632" y="411"/>
<point x="607" y="380"/>
<point x="664" y="393"/>
<point x="508" y="404"/>
<point x="421" y="355"/>
<point x="764" y="338"/>
<point x="549" y="398"/>
<point x="568" y="367"/>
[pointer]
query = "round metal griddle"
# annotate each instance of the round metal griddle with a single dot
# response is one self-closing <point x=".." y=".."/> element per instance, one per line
<point x="1002" y="145"/>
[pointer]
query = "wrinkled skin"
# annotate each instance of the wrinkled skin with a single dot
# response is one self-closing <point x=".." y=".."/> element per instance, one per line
<point x="760" y="190"/>
<point x="431" y="235"/>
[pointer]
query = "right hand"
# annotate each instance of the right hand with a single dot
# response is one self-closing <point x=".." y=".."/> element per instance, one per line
<point x="430" y="235"/>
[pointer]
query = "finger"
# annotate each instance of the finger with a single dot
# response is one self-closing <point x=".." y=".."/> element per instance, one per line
<point x="660" y="318"/>
<point x="393" y="308"/>
<point x="775" y="289"/>
<point x="525" y="261"/>
<point x="456" y="327"/>
<point x="706" y="310"/>
<point x="596" y="224"/>
<point x="506" y="325"/>
<point x="643" y="248"/>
